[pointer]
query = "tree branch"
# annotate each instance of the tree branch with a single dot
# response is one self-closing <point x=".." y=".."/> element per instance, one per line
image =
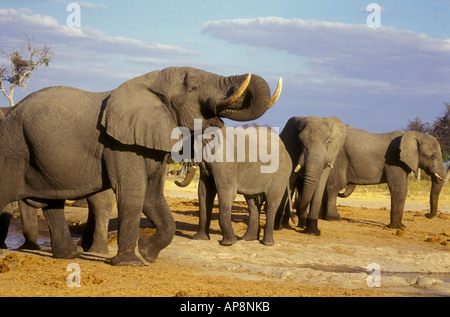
<point x="20" y="68"/>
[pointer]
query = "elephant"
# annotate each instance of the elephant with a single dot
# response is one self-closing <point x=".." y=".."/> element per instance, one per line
<point x="95" y="235"/>
<point x="374" y="158"/>
<point x="313" y="144"/>
<point x="65" y="143"/>
<point x="245" y="176"/>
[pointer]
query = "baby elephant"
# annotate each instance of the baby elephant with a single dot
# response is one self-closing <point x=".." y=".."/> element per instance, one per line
<point x="374" y="158"/>
<point x="249" y="161"/>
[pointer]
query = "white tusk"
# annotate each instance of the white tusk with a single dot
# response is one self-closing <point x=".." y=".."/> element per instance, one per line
<point x="232" y="99"/>
<point x="438" y="177"/>
<point x="276" y="94"/>
<point x="330" y="164"/>
<point x="297" y="168"/>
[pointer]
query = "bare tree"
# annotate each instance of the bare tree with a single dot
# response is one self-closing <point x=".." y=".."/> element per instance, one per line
<point x="441" y="131"/>
<point x="21" y="64"/>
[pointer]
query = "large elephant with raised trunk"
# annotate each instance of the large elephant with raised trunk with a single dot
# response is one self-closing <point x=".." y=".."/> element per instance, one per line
<point x="65" y="143"/>
<point x="374" y="158"/>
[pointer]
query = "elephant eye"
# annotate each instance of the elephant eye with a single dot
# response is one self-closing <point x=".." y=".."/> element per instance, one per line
<point x="193" y="88"/>
<point x="327" y="141"/>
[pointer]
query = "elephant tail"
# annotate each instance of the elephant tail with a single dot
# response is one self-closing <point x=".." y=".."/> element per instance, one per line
<point x="289" y="202"/>
<point x="348" y="191"/>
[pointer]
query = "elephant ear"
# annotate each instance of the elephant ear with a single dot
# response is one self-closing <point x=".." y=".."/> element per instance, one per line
<point x="337" y="137"/>
<point x="134" y="114"/>
<point x="409" y="150"/>
<point x="289" y="136"/>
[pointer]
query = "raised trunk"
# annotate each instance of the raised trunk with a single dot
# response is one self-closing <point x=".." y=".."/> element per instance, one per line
<point x="436" y="186"/>
<point x="251" y="105"/>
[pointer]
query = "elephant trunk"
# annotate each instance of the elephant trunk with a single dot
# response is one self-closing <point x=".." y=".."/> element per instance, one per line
<point x="310" y="181"/>
<point x="246" y="104"/>
<point x="436" y="186"/>
<point x="189" y="177"/>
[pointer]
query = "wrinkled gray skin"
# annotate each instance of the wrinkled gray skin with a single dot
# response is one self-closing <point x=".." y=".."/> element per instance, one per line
<point x="118" y="139"/>
<point x="226" y="179"/>
<point x="374" y="158"/>
<point x="313" y="143"/>
<point x="95" y="234"/>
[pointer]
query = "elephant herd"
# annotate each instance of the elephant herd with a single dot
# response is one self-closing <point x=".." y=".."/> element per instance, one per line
<point x="64" y="143"/>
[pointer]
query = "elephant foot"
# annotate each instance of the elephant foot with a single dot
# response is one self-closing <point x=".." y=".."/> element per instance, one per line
<point x="29" y="245"/>
<point x="201" y="236"/>
<point x="98" y="248"/>
<point x="333" y="218"/>
<point x="311" y="227"/>
<point x="151" y="245"/>
<point x="396" y="225"/>
<point x="268" y="241"/>
<point x="128" y="258"/>
<point x="301" y="223"/>
<point x="430" y="215"/>
<point x="227" y="242"/>
<point x="150" y="255"/>
<point x="70" y="252"/>
<point x="282" y="226"/>
<point x="250" y="237"/>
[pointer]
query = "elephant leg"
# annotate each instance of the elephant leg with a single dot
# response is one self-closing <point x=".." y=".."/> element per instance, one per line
<point x="28" y="216"/>
<point x="398" y="191"/>
<point x="301" y="212"/>
<point x="225" y="204"/>
<point x="5" y="219"/>
<point x="253" y="227"/>
<point x="129" y="208"/>
<point x="329" y="204"/>
<point x="272" y="207"/>
<point x="61" y="239"/>
<point x="95" y="235"/>
<point x="158" y="211"/>
<point x="284" y="212"/>
<point x="128" y="174"/>
<point x="206" y="194"/>
<point x="87" y="238"/>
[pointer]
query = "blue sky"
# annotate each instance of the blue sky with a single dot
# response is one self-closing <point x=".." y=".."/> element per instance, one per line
<point x="331" y="62"/>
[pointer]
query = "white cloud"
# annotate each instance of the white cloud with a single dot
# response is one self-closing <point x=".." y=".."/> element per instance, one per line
<point x="83" y="57"/>
<point x="14" y="24"/>
<point x="345" y="50"/>
<point x="81" y="50"/>
<point x="372" y="78"/>
<point x="91" y="6"/>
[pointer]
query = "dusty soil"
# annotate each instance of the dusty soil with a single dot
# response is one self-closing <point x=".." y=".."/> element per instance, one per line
<point x="413" y="262"/>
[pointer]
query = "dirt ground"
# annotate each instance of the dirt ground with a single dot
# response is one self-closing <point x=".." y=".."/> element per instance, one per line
<point x="410" y="262"/>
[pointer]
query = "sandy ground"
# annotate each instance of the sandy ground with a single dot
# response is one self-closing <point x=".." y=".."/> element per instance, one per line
<point x="410" y="262"/>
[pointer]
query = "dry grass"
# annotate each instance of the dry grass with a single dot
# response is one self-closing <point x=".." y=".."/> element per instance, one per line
<point x="417" y="191"/>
